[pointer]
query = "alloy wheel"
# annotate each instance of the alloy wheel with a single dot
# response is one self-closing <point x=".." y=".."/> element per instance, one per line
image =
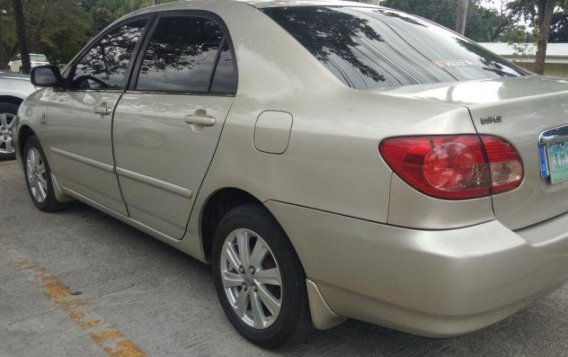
<point x="7" y="123"/>
<point x="251" y="278"/>
<point x="36" y="175"/>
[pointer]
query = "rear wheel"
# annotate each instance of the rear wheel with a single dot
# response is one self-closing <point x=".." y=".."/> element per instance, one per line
<point x="38" y="177"/>
<point x="8" y="113"/>
<point x="259" y="279"/>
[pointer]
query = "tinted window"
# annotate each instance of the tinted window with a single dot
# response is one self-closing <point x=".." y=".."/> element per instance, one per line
<point x="369" y="48"/>
<point x="180" y="55"/>
<point x="225" y="78"/>
<point x="106" y="63"/>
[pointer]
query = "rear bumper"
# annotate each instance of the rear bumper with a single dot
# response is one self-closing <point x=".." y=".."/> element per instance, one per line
<point x="431" y="283"/>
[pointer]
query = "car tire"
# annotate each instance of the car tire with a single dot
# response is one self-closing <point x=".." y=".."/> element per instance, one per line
<point x="270" y="327"/>
<point x="38" y="177"/>
<point x="8" y="112"/>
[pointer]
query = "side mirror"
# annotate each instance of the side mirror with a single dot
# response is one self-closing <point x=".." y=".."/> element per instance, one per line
<point x="46" y="76"/>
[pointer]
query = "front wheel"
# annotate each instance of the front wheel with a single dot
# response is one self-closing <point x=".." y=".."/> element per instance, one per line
<point x="8" y="112"/>
<point x="259" y="279"/>
<point x="38" y="177"/>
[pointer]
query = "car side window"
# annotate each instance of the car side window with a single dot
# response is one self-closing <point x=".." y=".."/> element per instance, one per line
<point x="181" y="55"/>
<point x="225" y="77"/>
<point x="105" y="65"/>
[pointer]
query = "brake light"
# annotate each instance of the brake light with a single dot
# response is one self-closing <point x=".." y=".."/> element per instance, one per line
<point x="454" y="167"/>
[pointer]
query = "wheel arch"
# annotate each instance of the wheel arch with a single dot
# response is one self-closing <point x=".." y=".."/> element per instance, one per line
<point x="11" y="99"/>
<point x="24" y="133"/>
<point x="219" y="203"/>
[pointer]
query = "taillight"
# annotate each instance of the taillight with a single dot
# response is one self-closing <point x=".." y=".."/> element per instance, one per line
<point x="454" y="167"/>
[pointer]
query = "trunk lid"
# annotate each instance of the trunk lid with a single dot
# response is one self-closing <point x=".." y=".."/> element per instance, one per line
<point x="519" y="110"/>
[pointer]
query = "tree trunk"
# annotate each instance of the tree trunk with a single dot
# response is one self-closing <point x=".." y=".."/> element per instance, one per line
<point x="22" y="38"/>
<point x="545" y="12"/>
<point x="2" y="51"/>
<point x="462" y="16"/>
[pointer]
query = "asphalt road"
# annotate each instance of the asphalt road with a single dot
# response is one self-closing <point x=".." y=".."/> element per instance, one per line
<point x="79" y="283"/>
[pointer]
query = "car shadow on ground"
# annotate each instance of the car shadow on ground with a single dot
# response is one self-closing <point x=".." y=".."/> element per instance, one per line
<point x="538" y="330"/>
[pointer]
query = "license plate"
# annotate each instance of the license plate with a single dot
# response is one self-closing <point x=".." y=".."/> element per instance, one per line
<point x="557" y="155"/>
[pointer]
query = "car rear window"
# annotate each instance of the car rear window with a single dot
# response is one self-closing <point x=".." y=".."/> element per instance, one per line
<point x="374" y="48"/>
<point x="38" y="58"/>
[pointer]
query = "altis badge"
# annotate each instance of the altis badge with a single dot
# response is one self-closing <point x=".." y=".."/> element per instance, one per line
<point x="492" y="119"/>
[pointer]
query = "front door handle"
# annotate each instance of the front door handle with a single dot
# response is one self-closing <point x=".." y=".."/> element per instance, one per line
<point x="103" y="109"/>
<point x="200" y="120"/>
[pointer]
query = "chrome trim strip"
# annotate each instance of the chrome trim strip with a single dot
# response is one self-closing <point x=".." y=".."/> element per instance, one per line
<point x="83" y="160"/>
<point x="554" y="135"/>
<point x="163" y="185"/>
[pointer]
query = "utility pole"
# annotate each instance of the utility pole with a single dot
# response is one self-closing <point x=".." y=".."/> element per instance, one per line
<point x="462" y="16"/>
<point x="22" y="37"/>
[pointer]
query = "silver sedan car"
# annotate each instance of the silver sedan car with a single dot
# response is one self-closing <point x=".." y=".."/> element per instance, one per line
<point x="14" y="88"/>
<point x="330" y="160"/>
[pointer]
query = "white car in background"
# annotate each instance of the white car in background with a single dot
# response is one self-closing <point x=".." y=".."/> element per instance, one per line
<point x="14" y="88"/>
<point x="15" y="65"/>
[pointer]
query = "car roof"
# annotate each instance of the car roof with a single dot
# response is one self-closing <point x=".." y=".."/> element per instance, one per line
<point x="290" y="3"/>
<point x="189" y="4"/>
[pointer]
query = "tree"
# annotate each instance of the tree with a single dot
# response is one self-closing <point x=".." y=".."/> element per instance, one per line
<point x="56" y="28"/>
<point x="483" y="24"/>
<point x="60" y="28"/>
<point x="462" y="16"/>
<point x="104" y="12"/>
<point x="22" y="38"/>
<point x="2" y="51"/>
<point x="549" y="19"/>
<point x="544" y="19"/>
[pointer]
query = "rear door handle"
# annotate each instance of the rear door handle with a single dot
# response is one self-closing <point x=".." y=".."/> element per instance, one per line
<point x="199" y="120"/>
<point x="103" y="110"/>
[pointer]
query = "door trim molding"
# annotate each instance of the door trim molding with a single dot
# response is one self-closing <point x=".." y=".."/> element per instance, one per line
<point x="84" y="160"/>
<point x="163" y="185"/>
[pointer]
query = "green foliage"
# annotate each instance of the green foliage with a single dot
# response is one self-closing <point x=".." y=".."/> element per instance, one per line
<point x="528" y="11"/>
<point x="60" y="28"/>
<point x="483" y="24"/>
<point x="104" y="12"/>
<point x="489" y="24"/>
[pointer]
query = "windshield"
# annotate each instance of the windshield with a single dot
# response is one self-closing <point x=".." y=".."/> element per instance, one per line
<point x="38" y="58"/>
<point x="373" y="48"/>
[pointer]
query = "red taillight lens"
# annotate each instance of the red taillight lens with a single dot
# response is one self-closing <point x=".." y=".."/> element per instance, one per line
<point x="454" y="167"/>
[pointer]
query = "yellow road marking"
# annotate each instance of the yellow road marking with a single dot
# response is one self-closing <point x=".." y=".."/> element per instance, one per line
<point x="105" y="335"/>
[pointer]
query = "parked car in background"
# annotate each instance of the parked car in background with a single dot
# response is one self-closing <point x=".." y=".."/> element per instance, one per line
<point x="14" y="88"/>
<point x="330" y="160"/>
<point x="15" y="65"/>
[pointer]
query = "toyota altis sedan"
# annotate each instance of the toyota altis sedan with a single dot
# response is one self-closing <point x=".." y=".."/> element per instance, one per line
<point x="330" y="160"/>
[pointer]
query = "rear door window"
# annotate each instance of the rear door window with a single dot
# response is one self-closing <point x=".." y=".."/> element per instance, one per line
<point x="181" y="56"/>
<point x="225" y="76"/>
